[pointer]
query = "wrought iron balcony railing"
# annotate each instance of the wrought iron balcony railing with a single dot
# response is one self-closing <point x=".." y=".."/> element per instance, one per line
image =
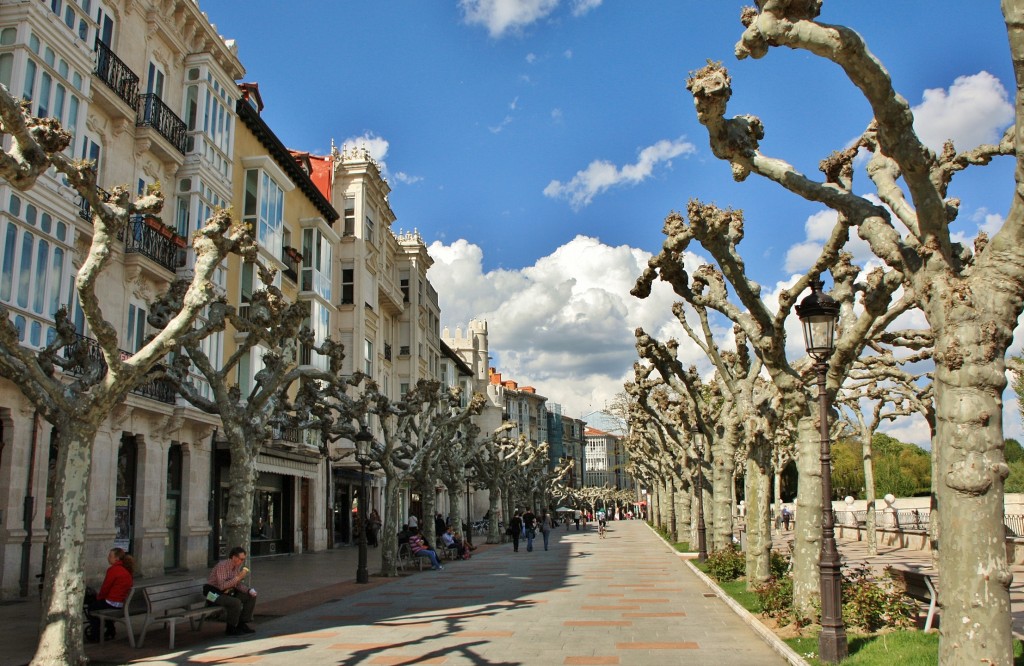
<point x="155" y="389"/>
<point x="154" y="113"/>
<point x="111" y="70"/>
<point x="151" y="241"/>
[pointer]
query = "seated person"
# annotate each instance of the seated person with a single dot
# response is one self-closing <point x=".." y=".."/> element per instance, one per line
<point x="238" y="599"/>
<point x="420" y="548"/>
<point x="453" y="543"/>
<point x="403" y="535"/>
<point x="116" y="585"/>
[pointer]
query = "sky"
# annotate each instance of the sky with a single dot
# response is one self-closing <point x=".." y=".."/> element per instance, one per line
<point x="537" y="146"/>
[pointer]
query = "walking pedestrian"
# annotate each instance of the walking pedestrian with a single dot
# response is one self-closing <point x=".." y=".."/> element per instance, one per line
<point x="515" y="527"/>
<point x="546" y="523"/>
<point x="530" y="525"/>
<point x="576" y="516"/>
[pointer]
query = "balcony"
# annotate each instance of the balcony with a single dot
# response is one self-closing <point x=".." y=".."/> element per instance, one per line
<point x="160" y="390"/>
<point x="387" y="352"/>
<point x="160" y="130"/>
<point x="120" y="97"/>
<point x="150" y="239"/>
<point x="291" y="258"/>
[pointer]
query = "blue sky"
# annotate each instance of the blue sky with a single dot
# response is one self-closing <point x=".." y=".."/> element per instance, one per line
<point x="537" y="145"/>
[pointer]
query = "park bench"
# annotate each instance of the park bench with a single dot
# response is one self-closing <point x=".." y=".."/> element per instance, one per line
<point x="174" y="602"/>
<point x="134" y="606"/>
<point x="919" y="586"/>
<point x="406" y="558"/>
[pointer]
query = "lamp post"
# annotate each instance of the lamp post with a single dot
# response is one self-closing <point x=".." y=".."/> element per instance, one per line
<point x="818" y="314"/>
<point x="468" y="536"/>
<point x="702" y="530"/>
<point x="363" y="439"/>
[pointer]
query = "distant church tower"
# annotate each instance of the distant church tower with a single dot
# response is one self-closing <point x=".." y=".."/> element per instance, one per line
<point x="472" y="348"/>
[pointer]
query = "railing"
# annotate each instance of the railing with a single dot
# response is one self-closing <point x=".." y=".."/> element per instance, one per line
<point x="111" y="70"/>
<point x="387" y="352"/>
<point x="1014" y="524"/>
<point x="155" y="389"/>
<point x="403" y="350"/>
<point x="912" y="519"/>
<point x="291" y="266"/>
<point x="139" y="237"/>
<point x="305" y="355"/>
<point x="154" y="113"/>
<point x="293" y="435"/>
<point x="84" y="209"/>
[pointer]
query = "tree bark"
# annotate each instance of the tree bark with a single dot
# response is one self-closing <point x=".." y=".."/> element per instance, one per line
<point x="807" y="530"/>
<point x="61" y="637"/>
<point x="757" y="491"/>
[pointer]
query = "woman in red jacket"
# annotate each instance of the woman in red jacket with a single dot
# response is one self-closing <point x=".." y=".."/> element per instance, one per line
<point x="114" y="591"/>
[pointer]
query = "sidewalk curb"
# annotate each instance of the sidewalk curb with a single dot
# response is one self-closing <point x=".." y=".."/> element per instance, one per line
<point x="766" y="634"/>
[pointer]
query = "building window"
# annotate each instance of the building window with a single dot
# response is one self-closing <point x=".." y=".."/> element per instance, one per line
<point x="350" y="216"/>
<point x="135" y="335"/>
<point x="264" y="210"/>
<point x="368" y="231"/>
<point x="348" y="286"/>
<point x="35" y="275"/>
<point x="316" y="263"/>
<point x="368" y="357"/>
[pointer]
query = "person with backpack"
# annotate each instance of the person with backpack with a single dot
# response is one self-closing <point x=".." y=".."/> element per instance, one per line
<point x="530" y="525"/>
<point x="546" y="524"/>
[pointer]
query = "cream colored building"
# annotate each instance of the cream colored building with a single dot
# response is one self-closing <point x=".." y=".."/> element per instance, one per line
<point x="148" y="91"/>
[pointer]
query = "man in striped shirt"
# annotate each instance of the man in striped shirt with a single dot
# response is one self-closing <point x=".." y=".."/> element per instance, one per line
<point x="237" y="599"/>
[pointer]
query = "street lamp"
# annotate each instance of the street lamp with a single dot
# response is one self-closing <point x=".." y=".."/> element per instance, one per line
<point x="818" y="313"/>
<point x="468" y="536"/>
<point x="363" y="439"/>
<point x="702" y="530"/>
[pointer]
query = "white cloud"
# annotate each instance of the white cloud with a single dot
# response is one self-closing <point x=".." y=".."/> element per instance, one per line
<point x="581" y="7"/>
<point x="502" y="16"/>
<point x="601" y="175"/>
<point x="531" y="58"/>
<point x="375" y="145"/>
<point x="403" y="177"/>
<point x="564" y="325"/>
<point x="568" y="54"/>
<point x="556" y="115"/>
<point x="975" y="110"/>
<point x="818" y="228"/>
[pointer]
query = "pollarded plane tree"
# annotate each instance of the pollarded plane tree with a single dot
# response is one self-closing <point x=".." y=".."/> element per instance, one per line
<point x="661" y="421"/>
<point x="747" y="419"/>
<point x="413" y="430"/>
<point x="488" y="469"/>
<point x="268" y="334"/>
<point x="971" y="297"/>
<point x="880" y="389"/>
<point x="719" y="232"/>
<point x="453" y="463"/>
<point x="75" y="384"/>
<point x="713" y="414"/>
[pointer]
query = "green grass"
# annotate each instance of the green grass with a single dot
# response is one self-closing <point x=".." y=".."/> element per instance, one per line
<point x="901" y="648"/>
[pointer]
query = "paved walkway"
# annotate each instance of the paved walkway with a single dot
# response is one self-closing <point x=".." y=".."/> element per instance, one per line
<point x="625" y="599"/>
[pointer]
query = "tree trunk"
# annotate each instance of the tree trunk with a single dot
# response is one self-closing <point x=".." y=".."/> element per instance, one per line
<point x="242" y="486"/>
<point x="869" y="494"/>
<point x="681" y="505"/>
<point x="975" y="597"/>
<point x="429" y="498"/>
<point x="722" y="472"/>
<point x="457" y="493"/>
<point x="60" y="631"/>
<point x="494" y="501"/>
<point x="392" y="521"/>
<point x="807" y="531"/>
<point x="757" y="491"/>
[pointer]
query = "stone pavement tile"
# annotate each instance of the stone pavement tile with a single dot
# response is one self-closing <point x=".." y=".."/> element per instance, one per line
<point x="594" y="660"/>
